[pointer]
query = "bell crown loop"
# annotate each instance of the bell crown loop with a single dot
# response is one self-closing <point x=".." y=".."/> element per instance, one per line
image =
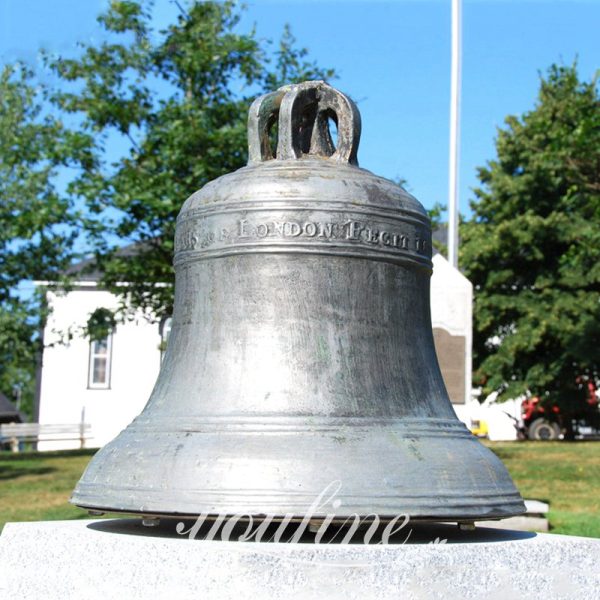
<point x="303" y="112"/>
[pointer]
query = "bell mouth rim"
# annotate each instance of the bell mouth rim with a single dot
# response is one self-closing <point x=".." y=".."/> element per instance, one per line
<point x="122" y="478"/>
<point x="454" y="507"/>
<point x="495" y="515"/>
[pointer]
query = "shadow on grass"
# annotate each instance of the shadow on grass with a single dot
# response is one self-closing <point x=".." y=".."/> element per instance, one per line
<point x="32" y="455"/>
<point x="9" y="472"/>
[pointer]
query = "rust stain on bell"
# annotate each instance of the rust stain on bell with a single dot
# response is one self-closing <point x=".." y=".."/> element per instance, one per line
<point x="301" y="350"/>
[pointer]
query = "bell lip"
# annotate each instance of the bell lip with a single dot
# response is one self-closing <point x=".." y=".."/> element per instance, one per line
<point x="104" y="489"/>
<point x="459" y="508"/>
<point x="278" y="517"/>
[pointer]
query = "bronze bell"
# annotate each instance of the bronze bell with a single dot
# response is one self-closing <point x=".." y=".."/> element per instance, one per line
<point x="301" y="350"/>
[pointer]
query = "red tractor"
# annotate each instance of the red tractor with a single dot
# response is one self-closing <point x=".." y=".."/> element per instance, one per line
<point x="549" y="422"/>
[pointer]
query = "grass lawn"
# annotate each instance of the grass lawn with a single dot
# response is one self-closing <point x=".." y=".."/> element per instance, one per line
<point x="566" y="474"/>
<point x="36" y="486"/>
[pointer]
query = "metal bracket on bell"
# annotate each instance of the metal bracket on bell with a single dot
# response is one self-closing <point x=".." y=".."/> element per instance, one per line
<point x="303" y="112"/>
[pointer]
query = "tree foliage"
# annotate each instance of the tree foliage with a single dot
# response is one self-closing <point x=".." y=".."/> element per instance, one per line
<point x="106" y="156"/>
<point x="532" y="248"/>
<point x="37" y="223"/>
<point x="177" y="101"/>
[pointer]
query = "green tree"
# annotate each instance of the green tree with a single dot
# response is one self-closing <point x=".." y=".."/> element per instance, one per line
<point x="129" y="128"/>
<point x="176" y="101"/>
<point x="37" y="222"/>
<point x="532" y="248"/>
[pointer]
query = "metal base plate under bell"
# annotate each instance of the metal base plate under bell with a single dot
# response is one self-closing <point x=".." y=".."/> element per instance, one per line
<point x="298" y="467"/>
<point x="368" y="530"/>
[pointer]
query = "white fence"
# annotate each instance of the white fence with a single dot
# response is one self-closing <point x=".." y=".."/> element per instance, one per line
<point x="14" y="433"/>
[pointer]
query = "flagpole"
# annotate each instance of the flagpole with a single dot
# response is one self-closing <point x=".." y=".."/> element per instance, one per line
<point x="454" y="134"/>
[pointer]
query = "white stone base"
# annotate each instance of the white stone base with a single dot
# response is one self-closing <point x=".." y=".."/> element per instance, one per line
<point x="119" y="558"/>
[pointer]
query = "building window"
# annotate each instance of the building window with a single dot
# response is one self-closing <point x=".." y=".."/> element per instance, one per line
<point x="99" y="371"/>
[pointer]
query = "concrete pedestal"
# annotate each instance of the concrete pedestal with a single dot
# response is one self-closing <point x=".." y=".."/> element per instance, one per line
<point x="118" y="558"/>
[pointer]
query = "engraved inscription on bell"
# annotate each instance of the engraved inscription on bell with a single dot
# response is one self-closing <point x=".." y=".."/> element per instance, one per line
<point x="335" y="228"/>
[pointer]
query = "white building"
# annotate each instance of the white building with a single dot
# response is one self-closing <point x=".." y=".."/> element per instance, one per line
<point x="107" y="383"/>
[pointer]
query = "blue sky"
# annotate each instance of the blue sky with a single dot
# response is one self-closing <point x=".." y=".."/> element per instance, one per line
<point x="392" y="57"/>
